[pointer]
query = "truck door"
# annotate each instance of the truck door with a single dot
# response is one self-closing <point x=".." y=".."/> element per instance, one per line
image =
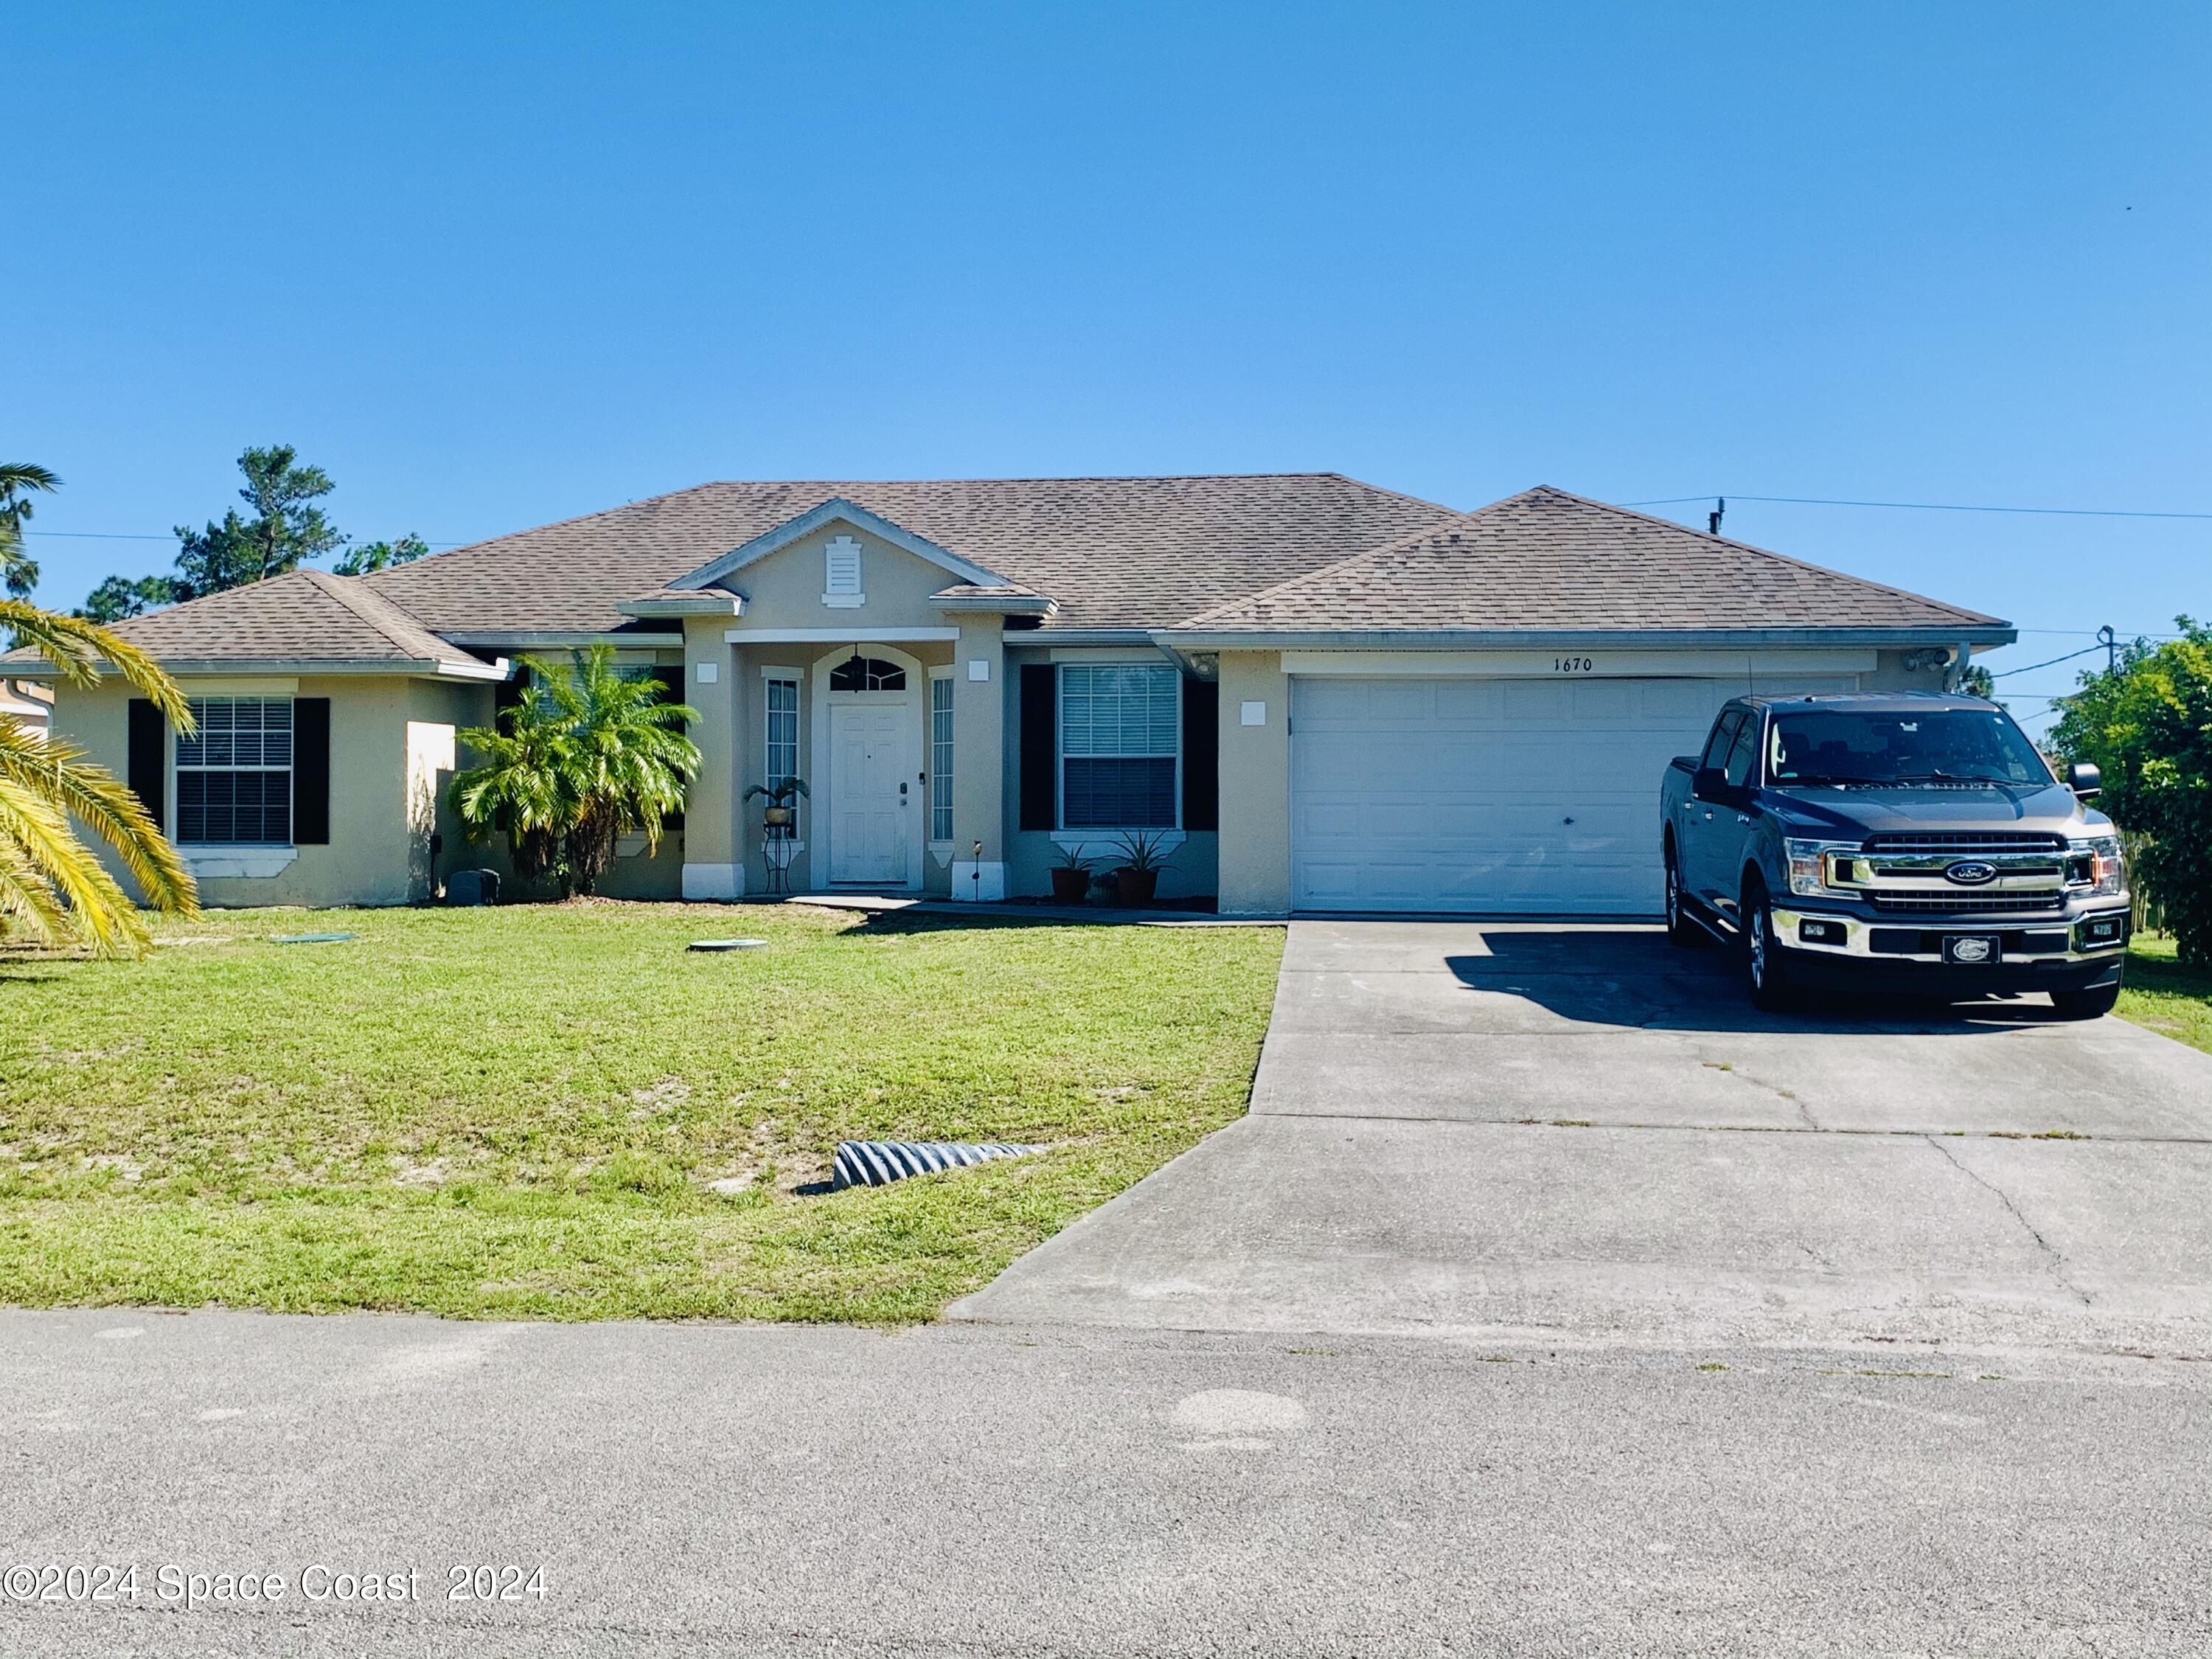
<point x="1718" y="826"/>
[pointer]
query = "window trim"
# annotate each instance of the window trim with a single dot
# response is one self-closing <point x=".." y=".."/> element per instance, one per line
<point x="1061" y="827"/>
<point x="942" y="676"/>
<point x="796" y="679"/>
<point x="239" y="852"/>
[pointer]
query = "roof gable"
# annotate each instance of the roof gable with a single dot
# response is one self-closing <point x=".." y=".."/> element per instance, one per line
<point x="1548" y="560"/>
<point x="837" y="509"/>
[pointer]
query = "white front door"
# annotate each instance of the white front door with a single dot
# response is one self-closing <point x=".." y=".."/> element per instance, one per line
<point x="874" y="793"/>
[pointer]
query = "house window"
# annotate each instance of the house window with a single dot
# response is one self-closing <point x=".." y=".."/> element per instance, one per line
<point x="1120" y="724"/>
<point x="867" y="674"/>
<point x="780" y="751"/>
<point x="841" y="573"/>
<point x="235" y="773"/>
<point x="941" y="757"/>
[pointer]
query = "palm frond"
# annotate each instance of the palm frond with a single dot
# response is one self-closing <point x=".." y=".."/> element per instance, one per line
<point x="110" y="808"/>
<point x="101" y="915"/>
<point x="27" y="899"/>
<point x="77" y="647"/>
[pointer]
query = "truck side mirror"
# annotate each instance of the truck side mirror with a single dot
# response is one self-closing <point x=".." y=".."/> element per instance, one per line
<point x="1709" y="783"/>
<point x="2084" y="779"/>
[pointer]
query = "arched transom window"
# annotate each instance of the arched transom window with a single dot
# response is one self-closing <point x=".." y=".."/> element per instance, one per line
<point x="867" y="674"/>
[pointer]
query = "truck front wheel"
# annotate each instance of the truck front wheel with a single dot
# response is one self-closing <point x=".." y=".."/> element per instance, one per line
<point x="1766" y="971"/>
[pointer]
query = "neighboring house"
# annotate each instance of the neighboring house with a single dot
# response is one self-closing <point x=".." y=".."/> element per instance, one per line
<point x="28" y="702"/>
<point x="1323" y="695"/>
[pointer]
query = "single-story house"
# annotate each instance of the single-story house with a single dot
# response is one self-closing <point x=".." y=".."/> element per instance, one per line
<point x="1318" y="695"/>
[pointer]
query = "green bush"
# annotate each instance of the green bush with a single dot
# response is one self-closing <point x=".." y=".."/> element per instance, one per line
<point x="2149" y="725"/>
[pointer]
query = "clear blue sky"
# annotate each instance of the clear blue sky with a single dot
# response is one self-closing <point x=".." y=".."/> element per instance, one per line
<point x="493" y="266"/>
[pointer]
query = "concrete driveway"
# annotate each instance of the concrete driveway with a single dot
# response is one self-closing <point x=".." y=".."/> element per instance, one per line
<point x="1585" y="1135"/>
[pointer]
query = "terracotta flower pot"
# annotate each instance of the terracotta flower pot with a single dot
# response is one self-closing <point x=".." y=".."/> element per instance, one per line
<point x="776" y="817"/>
<point x="1071" y="886"/>
<point x="1136" y="887"/>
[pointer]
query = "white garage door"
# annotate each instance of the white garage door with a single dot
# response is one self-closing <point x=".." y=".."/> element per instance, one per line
<point x="1511" y="796"/>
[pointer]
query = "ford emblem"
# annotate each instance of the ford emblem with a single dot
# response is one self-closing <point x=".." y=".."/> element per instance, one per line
<point x="1971" y="873"/>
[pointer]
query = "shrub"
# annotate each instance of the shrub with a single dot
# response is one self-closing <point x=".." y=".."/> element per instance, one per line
<point x="2148" y="725"/>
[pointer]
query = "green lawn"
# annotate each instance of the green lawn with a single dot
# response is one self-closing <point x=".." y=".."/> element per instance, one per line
<point x="2166" y="997"/>
<point x="517" y="1112"/>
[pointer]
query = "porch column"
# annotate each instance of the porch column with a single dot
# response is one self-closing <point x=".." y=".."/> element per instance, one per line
<point x="979" y="759"/>
<point x="713" y="859"/>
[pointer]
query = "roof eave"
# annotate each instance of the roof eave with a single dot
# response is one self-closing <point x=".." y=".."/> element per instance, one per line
<point x="685" y="604"/>
<point x="465" y="668"/>
<point x="1027" y="605"/>
<point x="1462" y="639"/>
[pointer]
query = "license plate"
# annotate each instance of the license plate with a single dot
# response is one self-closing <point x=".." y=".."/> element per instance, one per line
<point x="1974" y="949"/>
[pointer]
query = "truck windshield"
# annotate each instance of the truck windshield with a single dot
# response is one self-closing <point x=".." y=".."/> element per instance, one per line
<point x="1928" y="746"/>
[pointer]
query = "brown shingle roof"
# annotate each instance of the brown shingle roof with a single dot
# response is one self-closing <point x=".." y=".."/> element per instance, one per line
<point x="1113" y="552"/>
<point x="1545" y="559"/>
<point x="1302" y="552"/>
<point x="305" y="614"/>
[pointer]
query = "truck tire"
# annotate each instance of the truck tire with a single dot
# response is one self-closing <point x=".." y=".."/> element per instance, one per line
<point x="2094" y="1003"/>
<point x="1766" y="970"/>
<point x="1679" y="928"/>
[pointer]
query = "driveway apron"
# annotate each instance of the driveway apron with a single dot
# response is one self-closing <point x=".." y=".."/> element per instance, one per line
<point x="1585" y="1135"/>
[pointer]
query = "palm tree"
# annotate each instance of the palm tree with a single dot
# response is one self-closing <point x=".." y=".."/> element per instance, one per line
<point x="18" y="572"/>
<point x="588" y="754"/>
<point x="52" y="886"/>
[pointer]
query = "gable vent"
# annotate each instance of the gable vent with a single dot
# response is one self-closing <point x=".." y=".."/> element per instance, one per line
<point x="841" y="573"/>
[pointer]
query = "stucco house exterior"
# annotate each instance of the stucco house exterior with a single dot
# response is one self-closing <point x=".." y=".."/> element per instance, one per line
<point x="1320" y="694"/>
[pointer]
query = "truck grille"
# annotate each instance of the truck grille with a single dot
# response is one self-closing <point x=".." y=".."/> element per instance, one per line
<point x="1966" y="903"/>
<point x="1967" y="846"/>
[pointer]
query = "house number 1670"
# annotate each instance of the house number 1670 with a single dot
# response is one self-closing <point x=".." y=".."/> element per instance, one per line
<point x="1573" y="664"/>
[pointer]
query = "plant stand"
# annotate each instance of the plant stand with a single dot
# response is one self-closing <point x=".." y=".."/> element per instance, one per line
<point x="778" y="848"/>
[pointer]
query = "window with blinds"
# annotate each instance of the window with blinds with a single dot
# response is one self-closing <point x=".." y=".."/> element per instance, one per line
<point x="1120" y="741"/>
<point x="235" y="773"/>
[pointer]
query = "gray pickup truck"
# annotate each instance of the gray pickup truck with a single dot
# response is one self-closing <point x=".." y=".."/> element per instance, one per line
<point x="1904" y="842"/>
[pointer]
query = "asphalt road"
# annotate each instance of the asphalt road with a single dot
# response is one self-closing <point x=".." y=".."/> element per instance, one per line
<point x="694" y="1489"/>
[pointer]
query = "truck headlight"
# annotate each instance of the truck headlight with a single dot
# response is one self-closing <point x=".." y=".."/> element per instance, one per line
<point x="2095" y="866"/>
<point x="1818" y="867"/>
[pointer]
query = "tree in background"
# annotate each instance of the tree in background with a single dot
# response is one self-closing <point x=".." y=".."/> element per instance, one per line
<point x="2148" y="726"/>
<point x="587" y="755"/>
<point x="285" y="529"/>
<point x="17" y="480"/>
<point x="52" y="886"/>
<point x="118" y="599"/>
<point x="1978" y="682"/>
<point x="380" y="556"/>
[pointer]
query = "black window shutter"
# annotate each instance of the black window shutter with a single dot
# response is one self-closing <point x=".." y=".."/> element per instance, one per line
<point x="1201" y="754"/>
<point x="672" y="691"/>
<point x="147" y="762"/>
<point x="311" y="771"/>
<point x="1039" y="742"/>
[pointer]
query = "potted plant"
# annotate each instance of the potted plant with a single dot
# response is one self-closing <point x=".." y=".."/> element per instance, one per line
<point x="779" y="813"/>
<point x="1138" y="877"/>
<point x="1071" y="877"/>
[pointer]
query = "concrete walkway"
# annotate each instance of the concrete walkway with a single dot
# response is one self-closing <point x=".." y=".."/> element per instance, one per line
<point x="1553" y="1133"/>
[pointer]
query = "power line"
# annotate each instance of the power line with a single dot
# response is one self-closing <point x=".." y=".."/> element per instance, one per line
<point x="2033" y="666"/>
<point x="125" y="535"/>
<point x="1931" y="506"/>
